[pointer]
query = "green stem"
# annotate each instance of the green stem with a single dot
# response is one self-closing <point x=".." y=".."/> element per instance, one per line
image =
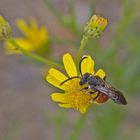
<point x="35" y="56"/>
<point x="59" y="121"/>
<point x="78" y="126"/>
<point x="82" y="46"/>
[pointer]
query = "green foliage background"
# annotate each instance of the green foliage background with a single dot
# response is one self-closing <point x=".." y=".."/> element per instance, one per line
<point x="117" y="51"/>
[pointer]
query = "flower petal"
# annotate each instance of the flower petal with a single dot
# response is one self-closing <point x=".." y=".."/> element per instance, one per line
<point x="43" y="33"/>
<point x="55" y="77"/>
<point x="11" y="49"/>
<point x="33" y="24"/>
<point x="100" y="73"/>
<point x="83" y="110"/>
<point x="23" y="26"/>
<point x="87" y="65"/>
<point x="65" y="105"/>
<point x="69" y="65"/>
<point x="59" y="97"/>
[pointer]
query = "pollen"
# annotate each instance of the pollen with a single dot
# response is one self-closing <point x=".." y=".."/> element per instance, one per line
<point x="76" y="96"/>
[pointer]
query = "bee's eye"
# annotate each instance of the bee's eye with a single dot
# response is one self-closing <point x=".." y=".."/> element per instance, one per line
<point x="84" y="79"/>
<point x="86" y="88"/>
<point x="81" y="82"/>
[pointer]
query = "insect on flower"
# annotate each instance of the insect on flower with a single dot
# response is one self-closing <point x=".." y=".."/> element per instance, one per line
<point x="94" y="84"/>
<point x="73" y="94"/>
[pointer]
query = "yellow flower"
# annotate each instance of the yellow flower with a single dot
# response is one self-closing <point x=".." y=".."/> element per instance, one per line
<point x="73" y="96"/>
<point x="35" y="37"/>
<point x="5" y="29"/>
<point x="95" y="26"/>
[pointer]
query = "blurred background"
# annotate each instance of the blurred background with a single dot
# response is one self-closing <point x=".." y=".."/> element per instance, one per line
<point x="26" y="110"/>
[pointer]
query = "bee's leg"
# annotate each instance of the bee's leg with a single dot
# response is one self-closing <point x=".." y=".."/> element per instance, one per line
<point x="92" y="92"/>
<point x="85" y="88"/>
<point x="96" y="96"/>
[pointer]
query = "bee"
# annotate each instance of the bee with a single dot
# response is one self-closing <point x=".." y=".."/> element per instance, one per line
<point x="95" y="84"/>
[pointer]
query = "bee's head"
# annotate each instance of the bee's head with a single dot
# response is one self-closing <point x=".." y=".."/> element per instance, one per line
<point x="84" y="78"/>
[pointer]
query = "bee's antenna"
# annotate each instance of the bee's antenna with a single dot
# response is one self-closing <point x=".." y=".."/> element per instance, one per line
<point x="69" y="79"/>
<point x="79" y="71"/>
<point x="80" y="64"/>
<point x="104" y="78"/>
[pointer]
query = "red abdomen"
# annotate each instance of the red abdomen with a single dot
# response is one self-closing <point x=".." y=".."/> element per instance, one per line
<point x="102" y="98"/>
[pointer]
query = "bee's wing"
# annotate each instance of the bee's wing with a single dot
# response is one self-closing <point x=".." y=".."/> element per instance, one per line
<point x="108" y="89"/>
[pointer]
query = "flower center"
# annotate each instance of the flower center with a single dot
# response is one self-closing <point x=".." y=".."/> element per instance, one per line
<point x="77" y="96"/>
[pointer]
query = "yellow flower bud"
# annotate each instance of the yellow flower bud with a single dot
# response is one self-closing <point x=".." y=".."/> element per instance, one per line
<point x="5" y="30"/>
<point x="95" y="26"/>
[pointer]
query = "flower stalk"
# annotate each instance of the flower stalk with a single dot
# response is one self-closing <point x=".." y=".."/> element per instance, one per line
<point x="93" y="29"/>
<point x="81" y="48"/>
<point x="35" y="56"/>
<point x="5" y="34"/>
